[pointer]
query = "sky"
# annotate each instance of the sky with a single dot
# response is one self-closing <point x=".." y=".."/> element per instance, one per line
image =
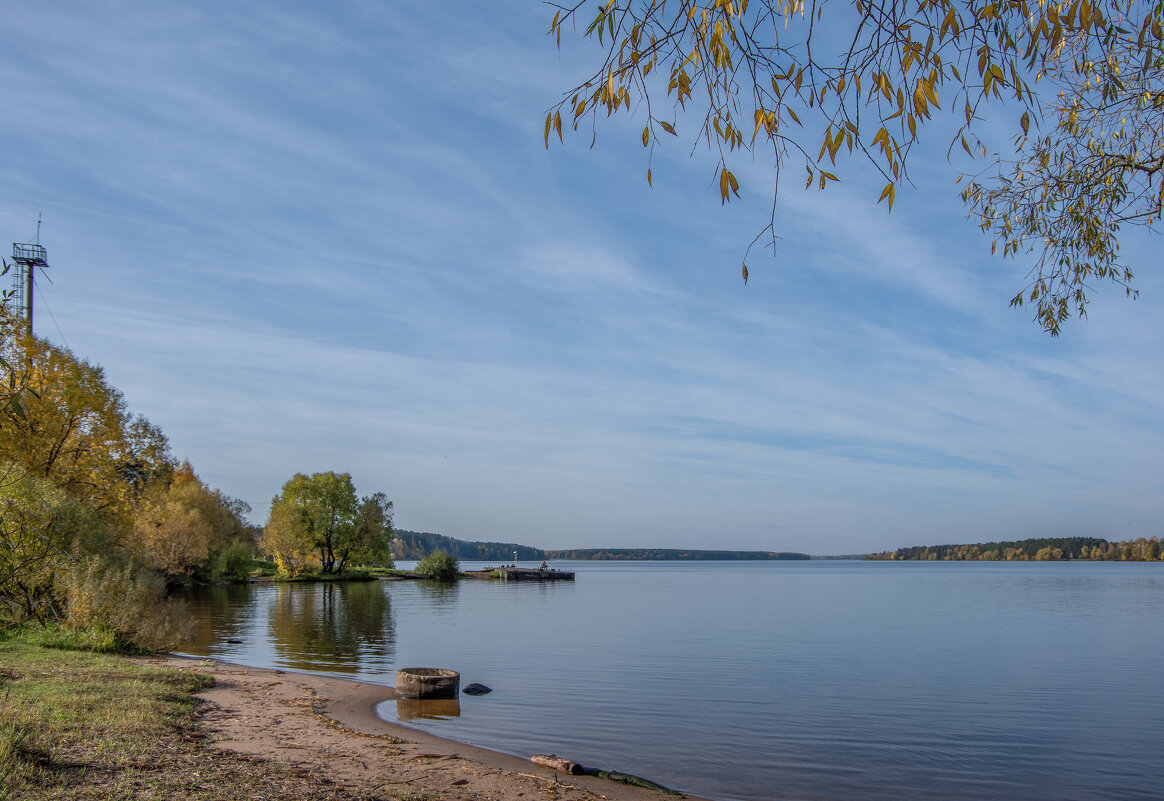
<point x="303" y="237"/>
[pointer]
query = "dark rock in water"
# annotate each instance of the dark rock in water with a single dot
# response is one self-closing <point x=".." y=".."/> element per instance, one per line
<point x="235" y="642"/>
<point x="476" y="689"/>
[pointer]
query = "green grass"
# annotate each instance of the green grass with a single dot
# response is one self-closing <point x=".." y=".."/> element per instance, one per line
<point x="359" y="573"/>
<point x="261" y="568"/>
<point x="82" y="726"/>
<point x="67" y="713"/>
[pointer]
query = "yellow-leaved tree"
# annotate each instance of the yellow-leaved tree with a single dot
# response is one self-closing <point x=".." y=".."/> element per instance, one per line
<point x="816" y="81"/>
<point x="75" y="432"/>
<point x="181" y="525"/>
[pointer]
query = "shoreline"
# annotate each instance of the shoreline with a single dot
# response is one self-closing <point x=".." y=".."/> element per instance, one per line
<point x="328" y="726"/>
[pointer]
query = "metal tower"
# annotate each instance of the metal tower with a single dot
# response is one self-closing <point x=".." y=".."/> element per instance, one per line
<point x="27" y="257"/>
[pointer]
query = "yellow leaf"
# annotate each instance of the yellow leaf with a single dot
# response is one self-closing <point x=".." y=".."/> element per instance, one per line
<point x="724" y="186"/>
<point x="931" y="93"/>
<point x="549" y="122"/>
<point x="646" y="136"/>
<point x="887" y="192"/>
<point x="745" y="275"/>
<point x="649" y="179"/>
<point x="668" y="128"/>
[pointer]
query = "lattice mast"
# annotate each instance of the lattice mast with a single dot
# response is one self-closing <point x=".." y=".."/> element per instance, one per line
<point x="27" y="257"/>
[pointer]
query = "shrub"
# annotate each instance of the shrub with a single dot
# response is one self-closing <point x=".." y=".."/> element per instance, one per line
<point x="125" y="601"/>
<point x="439" y="566"/>
<point x="234" y="563"/>
<point x="39" y="527"/>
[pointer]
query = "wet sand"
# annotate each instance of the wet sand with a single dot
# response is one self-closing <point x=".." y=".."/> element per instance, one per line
<point x="329" y="727"/>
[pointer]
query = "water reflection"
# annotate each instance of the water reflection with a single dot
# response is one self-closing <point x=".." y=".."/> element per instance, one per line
<point x="440" y="596"/>
<point x="428" y="708"/>
<point x="874" y="680"/>
<point x="221" y="613"/>
<point x="342" y="628"/>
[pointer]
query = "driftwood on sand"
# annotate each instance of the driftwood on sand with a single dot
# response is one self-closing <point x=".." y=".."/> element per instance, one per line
<point x="574" y="769"/>
<point x="557" y="763"/>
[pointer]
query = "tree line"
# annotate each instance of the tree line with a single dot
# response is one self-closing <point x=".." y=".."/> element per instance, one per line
<point x="1041" y="549"/>
<point x="98" y="519"/>
<point x="419" y="544"/>
<point x="670" y="554"/>
<point x="96" y="515"/>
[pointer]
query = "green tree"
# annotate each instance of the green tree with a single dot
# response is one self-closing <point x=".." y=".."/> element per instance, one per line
<point x="41" y="530"/>
<point x="439" y="566"/>
<point x="318" y="520"/>
<point x="371" y="540"/>
<point x="866" y="77"/>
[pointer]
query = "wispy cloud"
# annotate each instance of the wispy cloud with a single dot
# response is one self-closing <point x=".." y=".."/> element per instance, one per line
<point x="305" y="239"/>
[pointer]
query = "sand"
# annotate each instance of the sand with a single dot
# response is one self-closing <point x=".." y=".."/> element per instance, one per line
<point x="329" y="727"/>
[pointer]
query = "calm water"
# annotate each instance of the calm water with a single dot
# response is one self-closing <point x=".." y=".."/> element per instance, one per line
<point x="766" y="680"/>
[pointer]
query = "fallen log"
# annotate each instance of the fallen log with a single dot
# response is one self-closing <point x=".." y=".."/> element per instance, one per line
<point x="574" y="769"/>
<point x="557" y="763"/>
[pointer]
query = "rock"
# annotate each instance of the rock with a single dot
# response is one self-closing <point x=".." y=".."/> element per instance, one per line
<point x="476" y="689"/>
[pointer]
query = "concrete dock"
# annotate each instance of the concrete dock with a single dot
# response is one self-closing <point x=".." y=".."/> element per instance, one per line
<point x="507" y="573"/>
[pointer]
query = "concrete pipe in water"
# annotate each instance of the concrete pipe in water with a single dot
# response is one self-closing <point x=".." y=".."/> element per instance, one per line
<point x="416" y="682"/>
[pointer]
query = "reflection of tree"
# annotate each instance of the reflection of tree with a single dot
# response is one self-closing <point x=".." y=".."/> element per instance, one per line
<point x="345" y="628"/>
<point x="220" y="612"/>
<point x="441" y="595"/>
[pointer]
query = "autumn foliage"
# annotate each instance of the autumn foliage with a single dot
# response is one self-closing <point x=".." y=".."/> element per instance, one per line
<point x="96" y="519"/>
<point x="806" y="83"/>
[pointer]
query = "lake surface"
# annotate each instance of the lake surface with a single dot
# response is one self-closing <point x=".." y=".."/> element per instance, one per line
<point x="822" y="680"/>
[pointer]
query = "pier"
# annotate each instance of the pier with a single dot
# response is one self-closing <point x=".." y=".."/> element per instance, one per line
<point x="507" y="573"/>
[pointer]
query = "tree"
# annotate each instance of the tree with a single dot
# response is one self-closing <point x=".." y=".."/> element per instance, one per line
<point x="285" y="537"/>
<point x="41" y="530"/>
<point x="371" y="541"/>
<point x="74" y="429"/>
<point x="181" y="526"/>
<point x="866" y="76"/>
<point x="439" y="566"/>
<point x="318" y="520"/>
<point x="11" y="379"/>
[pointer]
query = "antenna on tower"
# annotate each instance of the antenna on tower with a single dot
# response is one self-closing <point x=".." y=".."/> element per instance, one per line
<point x="27" y="257"/>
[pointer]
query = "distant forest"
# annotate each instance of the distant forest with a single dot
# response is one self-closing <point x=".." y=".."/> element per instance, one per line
<point x="668" y="554"/>
<point x="417" y="545"/>
<point x="1046" y="549"/>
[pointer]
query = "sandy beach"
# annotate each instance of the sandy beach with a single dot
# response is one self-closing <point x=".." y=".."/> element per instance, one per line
<point x="328" y="727"/>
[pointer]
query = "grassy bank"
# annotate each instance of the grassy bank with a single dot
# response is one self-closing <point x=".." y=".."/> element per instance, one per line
<point x="82" y="725"/>
<point x="263" y="570"/>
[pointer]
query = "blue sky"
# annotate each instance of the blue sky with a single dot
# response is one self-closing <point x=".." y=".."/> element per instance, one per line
<point x="328" y="237"/>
